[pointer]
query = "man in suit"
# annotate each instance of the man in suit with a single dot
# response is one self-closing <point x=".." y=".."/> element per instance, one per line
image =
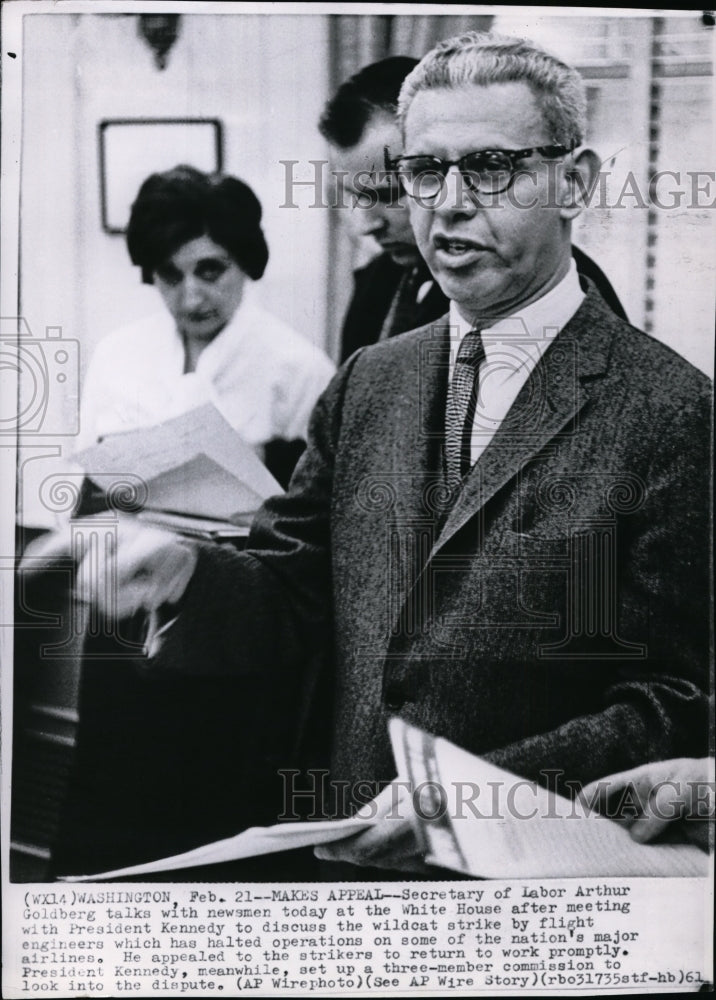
<point x="395" y="291"/>
<point x="498" y="529"/>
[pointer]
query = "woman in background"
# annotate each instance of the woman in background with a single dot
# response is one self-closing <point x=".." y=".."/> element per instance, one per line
<point x="198" y="239"/>
<point x="164" y="763"/>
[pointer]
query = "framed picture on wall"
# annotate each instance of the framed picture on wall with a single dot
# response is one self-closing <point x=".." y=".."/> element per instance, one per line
<point x="130" y="149"/>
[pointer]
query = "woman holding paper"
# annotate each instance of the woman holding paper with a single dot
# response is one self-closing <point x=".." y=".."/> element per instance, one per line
<point x="162" y="760"/>
<point x="198" y="239"/>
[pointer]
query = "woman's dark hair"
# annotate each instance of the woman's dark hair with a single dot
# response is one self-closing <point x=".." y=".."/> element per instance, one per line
<point x="183" y="204"/>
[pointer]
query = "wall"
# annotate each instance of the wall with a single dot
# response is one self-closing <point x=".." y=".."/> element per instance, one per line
<point x="249" y="71"/>
<point x="650" y="109"/>
<point x="264" y="76"/>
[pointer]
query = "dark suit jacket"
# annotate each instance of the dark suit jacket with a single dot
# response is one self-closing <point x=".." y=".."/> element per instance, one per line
<point x="554" y="617"/>
<point x="377" y="282"/>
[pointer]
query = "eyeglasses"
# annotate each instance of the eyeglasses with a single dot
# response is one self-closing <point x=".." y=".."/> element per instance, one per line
<point x="490" y="171"/>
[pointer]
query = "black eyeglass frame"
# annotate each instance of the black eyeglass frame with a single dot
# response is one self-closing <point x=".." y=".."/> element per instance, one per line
<point x="442" y="167"/>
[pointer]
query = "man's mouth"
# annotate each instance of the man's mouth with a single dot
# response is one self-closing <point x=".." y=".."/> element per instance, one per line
<point x="453" y="251"/>
<point x="455" y="246"/>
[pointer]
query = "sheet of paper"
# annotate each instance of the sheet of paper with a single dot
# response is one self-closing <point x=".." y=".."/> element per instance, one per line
<point x="154" y="452"/>
<point x="251" y="843"/>
<point x="202" y="487"/>
<point x="493" y="824"/>
<point x="471" y="817"/>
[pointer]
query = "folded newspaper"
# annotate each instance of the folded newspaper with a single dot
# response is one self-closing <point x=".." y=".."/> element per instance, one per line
<point x="468" y="816"/>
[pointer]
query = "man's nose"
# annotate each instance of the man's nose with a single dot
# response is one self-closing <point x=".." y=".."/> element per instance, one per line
<point x="455" y="196"/>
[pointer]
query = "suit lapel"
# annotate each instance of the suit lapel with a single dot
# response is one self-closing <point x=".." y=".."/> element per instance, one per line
<point x="416" y="434"/>
<point x="410" y="469"/>
<point x="550" y="400"/>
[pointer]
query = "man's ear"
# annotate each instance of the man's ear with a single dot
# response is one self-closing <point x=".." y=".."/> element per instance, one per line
<point x="580" y="177"/>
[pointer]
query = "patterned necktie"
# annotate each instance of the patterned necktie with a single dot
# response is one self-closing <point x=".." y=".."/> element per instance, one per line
<point x="460" y="412"/>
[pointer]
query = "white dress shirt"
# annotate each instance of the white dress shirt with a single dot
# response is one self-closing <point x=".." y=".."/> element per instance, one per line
<point x="263" y="376"/>
<point x="513" y="347"/>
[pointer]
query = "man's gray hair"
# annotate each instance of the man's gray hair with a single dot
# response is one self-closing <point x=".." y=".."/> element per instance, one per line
<point x="483" y="58"/>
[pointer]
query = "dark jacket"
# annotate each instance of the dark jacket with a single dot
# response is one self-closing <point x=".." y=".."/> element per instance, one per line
<point x="554" y="616"/>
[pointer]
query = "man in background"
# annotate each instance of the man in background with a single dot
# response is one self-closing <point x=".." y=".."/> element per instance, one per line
<point x="395" y="291"/>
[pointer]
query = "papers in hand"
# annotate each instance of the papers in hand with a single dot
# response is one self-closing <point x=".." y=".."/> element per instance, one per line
<point x="194" y="464"/>
<point x="251" y="843"/>
<point x="486" y="822"/>
<point x="492" y="824"/>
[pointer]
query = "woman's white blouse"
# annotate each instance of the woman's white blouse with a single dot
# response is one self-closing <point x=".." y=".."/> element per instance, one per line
<point x="263" y="376"/>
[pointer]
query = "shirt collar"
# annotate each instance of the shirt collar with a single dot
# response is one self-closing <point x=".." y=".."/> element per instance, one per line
<point x="533" y="327"/>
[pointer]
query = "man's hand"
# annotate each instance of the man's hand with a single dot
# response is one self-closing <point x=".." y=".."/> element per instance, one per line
<point x="121" y="569"/>
<point x="658" y="796"/>
<point x="390" y="843"/>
